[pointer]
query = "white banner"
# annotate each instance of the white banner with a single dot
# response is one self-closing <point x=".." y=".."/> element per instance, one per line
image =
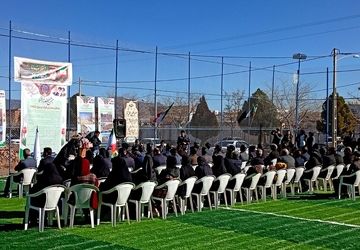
<point x="43" y="106"/>
<point x="105" y="116"/>
<point x="30" y="70"/>
<point x="2" y="118"/>
<point x="131" y="115"/>
<point x="85" y="114"/>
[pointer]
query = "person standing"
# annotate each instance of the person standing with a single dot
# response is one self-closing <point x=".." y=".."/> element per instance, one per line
<point x="96" y="142"/>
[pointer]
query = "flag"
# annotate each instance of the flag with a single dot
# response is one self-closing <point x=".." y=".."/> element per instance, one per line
<point x="161" y="116"/>
<point x="112" y="143"/>
<point x="242" y="116"/>
<point x="37" y="151"/>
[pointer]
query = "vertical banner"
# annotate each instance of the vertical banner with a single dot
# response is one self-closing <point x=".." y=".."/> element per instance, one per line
<point x="43" y="106"/>
<point x="43" y="101"/>
<point x="2" y="118"/>
<point x="105" y="116"/>
<point x="85" y="114"/>
<point x="131" y="115"/>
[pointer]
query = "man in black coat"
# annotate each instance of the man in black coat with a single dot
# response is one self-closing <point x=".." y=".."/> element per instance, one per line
<point x="47" y="159"/>
<point x="102" y="164"/>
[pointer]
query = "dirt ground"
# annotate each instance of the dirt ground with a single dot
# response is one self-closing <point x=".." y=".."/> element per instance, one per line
<point x="4" y="159"/>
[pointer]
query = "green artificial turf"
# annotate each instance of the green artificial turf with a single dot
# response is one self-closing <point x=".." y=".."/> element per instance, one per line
<point x="263" y="225"/>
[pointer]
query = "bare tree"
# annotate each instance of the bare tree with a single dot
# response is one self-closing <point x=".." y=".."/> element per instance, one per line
<point x="179" y="115"/>
<point x="285" y="102"/>
<point x="234" y="101"/>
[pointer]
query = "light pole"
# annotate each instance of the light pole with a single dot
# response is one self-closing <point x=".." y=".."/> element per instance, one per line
<point x="335" y="52"/>
<point x="299" y="57"/>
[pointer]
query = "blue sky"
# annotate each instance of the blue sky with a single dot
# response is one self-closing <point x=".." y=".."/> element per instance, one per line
<point x="257" y="28"/>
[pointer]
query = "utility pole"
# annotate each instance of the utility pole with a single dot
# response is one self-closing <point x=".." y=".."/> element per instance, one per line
<point x="334" y="100"/>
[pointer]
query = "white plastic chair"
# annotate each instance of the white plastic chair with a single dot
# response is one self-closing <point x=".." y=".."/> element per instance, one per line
<point x="189" y="182"/>
<point x="254" y="181"/>
<point x="52" y="196"/>
<point x="270" y="175"/>
<point x="147" y="189"/>
<point x="298" y="174"/>
<point x="24" y="185"/>
<point x="290" y="173"/>
<point x="339" y="170"/>
<point x="206" y="185"/>
<point x="327" y="179"/>
<point x="243" y="165"/>
<point x="239" y="179"/>
<point x="123" y="192"/>
<point x="350" y="186"/>
<point x="82" y="194"/>
<point x="279" y="182"/>
<point x="223" y="181"/>
<point x="172" y="186"/>
<point x="316" y="171"/>
<point x="159" y="169"/>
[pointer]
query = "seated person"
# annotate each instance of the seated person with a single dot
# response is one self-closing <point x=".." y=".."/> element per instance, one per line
<point x="101" y="164"/>
<point x="28" y="162"/>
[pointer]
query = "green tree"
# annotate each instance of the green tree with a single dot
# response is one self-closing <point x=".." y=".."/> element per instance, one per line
<point x="346" y="121"/>
<point x="204" y="121"/>
<point x="263" y="112"/>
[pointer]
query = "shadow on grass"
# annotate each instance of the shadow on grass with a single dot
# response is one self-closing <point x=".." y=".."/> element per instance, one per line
<point x="11" y="214"/>
<point x="11" y="227"/>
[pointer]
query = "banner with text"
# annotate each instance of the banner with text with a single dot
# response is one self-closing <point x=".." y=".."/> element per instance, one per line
<point x="131" y="116"/>
<point x="2" y="118"/>
<point x="85" y="114"/>
<point x="43" y="106"/>
<point x="30" y="70"/>
<point x="105" y="116"/>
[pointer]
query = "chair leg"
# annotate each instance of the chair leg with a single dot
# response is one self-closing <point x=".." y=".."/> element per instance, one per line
<point x="225" y="199"/>
<point x="208" y="196"/>
<point x="175" y="209"/>
<point x="114" y="215"/>
<point x="164" y="208"/>
<point x="151" y="210"/>
<point x="92" y="217"/>
<point x="72" y="215"/>
<point x="191" y="205"/>
<point x="26" y="220"/>
<point x="58" y="217"/>
<point x="42" y="220"/>
<point x="241" y="198"/>
<point x="98" y="215"/>
<point x="20" y="190"/>
<point x="127" y="212"/>
<point x="353" y="192"/>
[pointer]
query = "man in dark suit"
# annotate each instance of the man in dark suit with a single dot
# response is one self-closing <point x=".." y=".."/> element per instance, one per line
<point x="287" y="158"/>
<point x="47" y="159"/>
<point x="28" y="162"/>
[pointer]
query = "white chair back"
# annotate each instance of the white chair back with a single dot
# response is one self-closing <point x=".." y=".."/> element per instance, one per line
<point x="172" y="186"/>
<point x="52" y="194"/>
<point x="224" y="180"/>
<point x="357" y="180"/>
<point x="274" y="161"/>
<point x="239" y="180"/>
<point x="280" y="177"/>
<point x="82" y="193"/>
<point x="207" y="181"/>
<point x="190" y="182"/>
<point x="67" y="183"/>
<point x="147" y="190"/>
<point x="123" y="190"/>
<point x="330" y="170"/>
<point x="347" y="166"/>
<point x="339" y="169"/>
<point x="243" y="165"/>
<point x="28" y="174"/>
<point x="290" y="173"/>
<point x="316" y="172"/>
<point x="298" y="174"/>
<point x="159" y="169"/>
<point x="269" y="178"/>
<point x="254" y="181"/>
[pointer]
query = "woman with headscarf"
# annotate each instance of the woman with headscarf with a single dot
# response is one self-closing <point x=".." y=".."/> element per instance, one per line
<point x="101" y="164"/>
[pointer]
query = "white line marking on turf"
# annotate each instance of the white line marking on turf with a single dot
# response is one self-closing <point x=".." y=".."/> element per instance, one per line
<point x="293" y="217"/>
